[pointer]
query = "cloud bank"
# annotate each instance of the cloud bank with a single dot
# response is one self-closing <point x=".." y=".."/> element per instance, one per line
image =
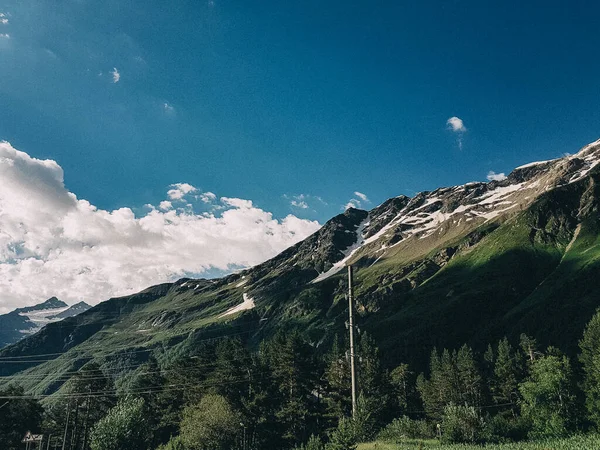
<point x="55" y="244"/>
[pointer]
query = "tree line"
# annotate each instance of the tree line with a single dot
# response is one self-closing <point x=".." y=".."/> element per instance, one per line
<point x="292" y="394"/>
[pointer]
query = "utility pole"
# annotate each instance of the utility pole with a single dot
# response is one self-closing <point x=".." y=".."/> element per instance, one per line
<point x="351" y="326"/>
<point x="66" y="426"/>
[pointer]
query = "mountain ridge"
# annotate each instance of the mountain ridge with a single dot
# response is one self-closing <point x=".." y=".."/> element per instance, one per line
<point x="21" y="322"/>
<point x="467" y="263"/>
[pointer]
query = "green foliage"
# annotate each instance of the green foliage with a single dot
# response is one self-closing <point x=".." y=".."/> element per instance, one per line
<point x="211" y="424"/>
<point x="125" y="426"/>
<point x="295" y="372"/>
<point x="590" y="360"/>
<point x="506" y="428"/>
<point x="314" y="443"/>
<point x="400" y="380"/>
<point x="548" y="397"/>
<point x="454" y="379"/>
<point x="462" y="424"/>
<point x="174" y="444"/>
<point x="17" y="416"/>
<point x="405" y="427"/>
<point x="577" y="442"/>
<point x="343" y="437"/>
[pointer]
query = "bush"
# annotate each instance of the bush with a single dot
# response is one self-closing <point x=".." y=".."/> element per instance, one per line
<point x="405" y="427"/>
<point x="174" y="444"/>
<point x="314" y="443"/>
<point x="211" y="424"/>
<point x="502" y="429"/>
<point x="462" y="424"/>
<point x="343" y="437"/>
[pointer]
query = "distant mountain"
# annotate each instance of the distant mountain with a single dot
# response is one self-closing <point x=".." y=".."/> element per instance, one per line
<point x="73" y="310"/>
<point x="462" y="264"/>
<point x="22" y="322"/>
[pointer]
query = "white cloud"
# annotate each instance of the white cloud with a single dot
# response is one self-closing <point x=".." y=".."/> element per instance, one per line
<point x="493" y="176"/>
<point x="357" y="202"/>
<point x="165" y="205"/>
<point x="53" y="243"/>
<point x="456" y="124"/>
<point x="299" y="204"/>
<point x="362" y="196"/>
<point x="168" y="108"/>
<point x="4" y="36"/>
<point x="3" y="20"/>
<point x="352" y="204"/>
<point x="207" y="197"/>
<point x="180" y="190"/>
<point x="299" y="201"/>
<point x="116" y="75"/>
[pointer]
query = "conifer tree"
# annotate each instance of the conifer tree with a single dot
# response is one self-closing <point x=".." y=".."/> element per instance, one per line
<point x="507" y="374"/>
<point x="590" y="360"/>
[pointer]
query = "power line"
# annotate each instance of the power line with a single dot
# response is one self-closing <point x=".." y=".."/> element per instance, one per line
<point x="100" y="346"/>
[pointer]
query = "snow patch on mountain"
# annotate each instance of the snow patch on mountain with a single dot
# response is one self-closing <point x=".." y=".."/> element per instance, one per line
<point x="536" y="163"/>
<point x="247" y="304"/>
<point x="338" y="266"/>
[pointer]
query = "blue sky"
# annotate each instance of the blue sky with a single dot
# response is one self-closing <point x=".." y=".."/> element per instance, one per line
<point x="293" y="101"/>
<point x="312" y="97"/>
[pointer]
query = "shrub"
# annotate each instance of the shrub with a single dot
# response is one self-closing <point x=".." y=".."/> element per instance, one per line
<point x="343" y="437"/>
<point x="462" y="424"/>
<point x="174" y="444"/>
<point x="314" y="443"/>
<point x="501" y="429"/>
<point x="405" y="427"/>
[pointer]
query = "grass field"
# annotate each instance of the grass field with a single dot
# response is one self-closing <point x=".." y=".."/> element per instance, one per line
<point x="582" y="442"/>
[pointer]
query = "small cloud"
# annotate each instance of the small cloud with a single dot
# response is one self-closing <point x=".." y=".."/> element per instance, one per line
<point x="456" y="125"/>
<point x="362" y="196"/>
<point x="352" y="204"/>
<point x="493" y="176"/>
<point x="168" y="108"/>
<point x="3" y="20"/>
<point x="299" y="204"/>
<point x="304" y="201"/>
<point x="211" y="3"/>
<point x="116" y="75"/>
<point x="357" y="202"/>
<point x="4" y="36"/>
<point x="165" y="205"/>
<point x="180" y="190"/>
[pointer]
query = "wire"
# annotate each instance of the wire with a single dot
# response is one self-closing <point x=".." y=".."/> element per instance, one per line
<point x="114" y="392"/>
<point x="98" y="346"/>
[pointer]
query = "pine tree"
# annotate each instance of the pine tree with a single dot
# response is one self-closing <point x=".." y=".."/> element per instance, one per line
<point x="507" y="374"/>
<point x="590" y="361"/>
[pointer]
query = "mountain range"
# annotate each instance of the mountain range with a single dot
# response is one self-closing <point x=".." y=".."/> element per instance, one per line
<point x="23" y="322"/>
<point x="462" y="264"/>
